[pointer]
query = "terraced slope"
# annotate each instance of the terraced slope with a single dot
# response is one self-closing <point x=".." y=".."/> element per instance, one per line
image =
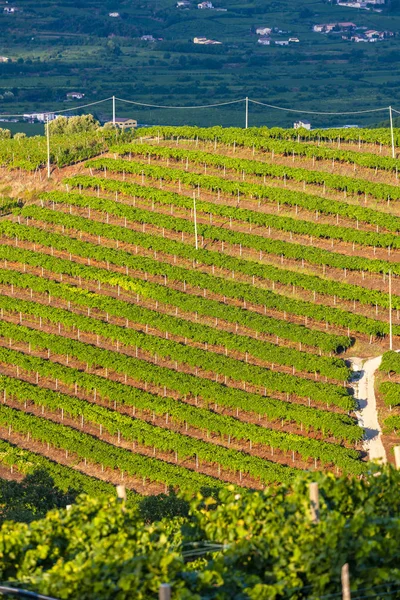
<point x="182" y="317"/>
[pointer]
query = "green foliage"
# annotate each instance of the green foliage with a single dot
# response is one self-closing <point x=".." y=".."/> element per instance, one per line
<point x="242" y="545"/>
<point x="390" y="392"/>
<point x="73" y="125"/>
<point x="267" y="168"/>
<point x="331" y="367"/>
<point x="31" y="498"/>
<point x="182" y="300"/>
<point x="256" y="137"/>
<point x="250" y="267"/>
<point x="390" y="362"/>
<point x="276" y="195"/>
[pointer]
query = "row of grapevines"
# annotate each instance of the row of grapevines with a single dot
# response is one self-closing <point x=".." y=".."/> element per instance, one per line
<point x="185" y="355"/>
<point x="390" y="362"/>
<point x="392" y="424"/>
<point x="381" y="135"/>
<point x="281" y="196"/>
<point x="96" y="451"/>
<point x="331" y="367"/>
<point x="145" y="433"/>
<point x="390" y="392"/>
<point x="250" y="138"/>
<point x="342" y="427"/>
<point x="65" y="478"/>
<point x="287" y="224"/>
<point x="382" y="191"/>
<point x="195" y="277"/>
<point x="196" y="416"/>
<point x="187" y="302"/>
<point x="270" y="272"/>
<point x="215" y="363"/>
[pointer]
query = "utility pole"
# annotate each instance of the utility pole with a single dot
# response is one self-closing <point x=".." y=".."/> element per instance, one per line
<point x="247" y="113"/>
<point x="113" y="109"/>
<point x="390" y="313"/>
<point x="196" y="242"/>
<point x="392" y="132"/>
<point x="48" y="146"/>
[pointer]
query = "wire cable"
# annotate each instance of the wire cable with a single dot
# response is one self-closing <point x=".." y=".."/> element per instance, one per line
<point x="57" y="112"/>
<point x="312" y="112"/>
<point x="181" y="107"/>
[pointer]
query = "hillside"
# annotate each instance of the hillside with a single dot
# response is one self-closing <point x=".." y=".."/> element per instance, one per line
<point x="58" y="48"/>
<point x="128" y="354"/>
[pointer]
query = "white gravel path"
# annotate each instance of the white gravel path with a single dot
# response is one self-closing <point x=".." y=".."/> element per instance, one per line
<point x="367" y="415"/>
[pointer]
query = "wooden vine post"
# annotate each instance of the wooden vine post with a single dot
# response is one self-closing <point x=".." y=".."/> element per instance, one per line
<point x="314" y="502"/>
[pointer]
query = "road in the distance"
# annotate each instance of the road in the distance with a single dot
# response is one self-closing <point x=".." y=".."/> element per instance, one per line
<point x="367" y="414"/>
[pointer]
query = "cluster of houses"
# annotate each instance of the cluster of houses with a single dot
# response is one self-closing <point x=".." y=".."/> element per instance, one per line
<point x="353" y="33"/>
<point x="207" y="5"/>
<point x="370" y="35"/>
<point x="265" y="39"/>
<point x="338" y="27"/>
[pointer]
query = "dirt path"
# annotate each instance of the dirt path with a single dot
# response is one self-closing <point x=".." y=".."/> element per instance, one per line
<point x="363" y="383"/>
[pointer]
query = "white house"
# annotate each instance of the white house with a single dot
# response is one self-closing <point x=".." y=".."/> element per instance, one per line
<point x="4" y="59"/>
<point x="204" y="5"/>
<point x="75" y="95"/>
<point x="264" y="41"/>
<point x="115" y="15"/>
<point x="11" y="9"/>
<point x="282" y="43"/>
<point x="294" y="40"/>
<point x="263" y="30"/>
<point x="183" y="4"/>
<point x="148" y="38"/>
<point x="303" y="124"/>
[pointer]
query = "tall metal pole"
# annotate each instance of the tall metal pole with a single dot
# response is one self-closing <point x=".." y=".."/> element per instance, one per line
<point x="390" y="313"/>
<point x="48" y="146"/>
<point x="196" y="242"/>
<point x="247" y="113"/>
<point x="113" y="109"/>
<point x="392" y="132"/>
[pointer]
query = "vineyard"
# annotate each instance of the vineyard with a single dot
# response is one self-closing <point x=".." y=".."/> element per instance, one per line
<point x="180" y="310"/>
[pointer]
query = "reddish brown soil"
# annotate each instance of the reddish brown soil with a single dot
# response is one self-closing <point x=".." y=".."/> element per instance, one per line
<point x="197" y="291"/>
<point x="160" y="390"/>
<point x="42" y="298"/>
<point x="303" y="162"/>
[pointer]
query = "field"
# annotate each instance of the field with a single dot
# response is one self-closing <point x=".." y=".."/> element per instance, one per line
<point x="59" y="48"/>
<point x="181" y="309"/>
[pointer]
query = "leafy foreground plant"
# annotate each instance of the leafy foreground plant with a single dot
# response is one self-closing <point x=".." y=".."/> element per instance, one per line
<point x="256" y="545"/>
